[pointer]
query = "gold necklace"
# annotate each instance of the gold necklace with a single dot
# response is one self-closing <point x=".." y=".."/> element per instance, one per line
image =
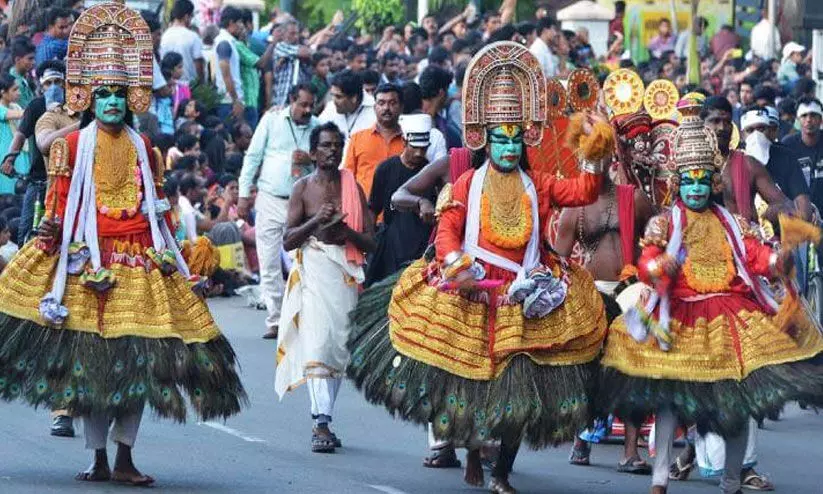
<point x="505" y="210"/>
<point x="116" y="176"/>
<point x="709" y="266"/>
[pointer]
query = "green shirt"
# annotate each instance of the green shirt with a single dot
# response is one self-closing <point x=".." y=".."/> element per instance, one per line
<point x="249" y="75"/>
<point x="321" y="87"/>
<point x="26" y="90"/>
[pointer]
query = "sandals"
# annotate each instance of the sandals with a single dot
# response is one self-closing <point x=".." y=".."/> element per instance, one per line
<point x="442" y="458"/>
<point x="580" y="455"/>
<point x="322" y="441"/>
<point x="756" y="482"/>
<point x="635" y="465"/>
<point x="679" y="471"/>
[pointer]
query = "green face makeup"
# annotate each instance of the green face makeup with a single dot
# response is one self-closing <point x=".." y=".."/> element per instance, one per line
<point x="110" y="104"/>
<point x="506" y="146"/>
<point x="696" y="189"/>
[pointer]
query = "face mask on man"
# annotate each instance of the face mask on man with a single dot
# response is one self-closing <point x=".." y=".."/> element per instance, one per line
<point x="55" y="96"/>
<point x="757" y="146"/>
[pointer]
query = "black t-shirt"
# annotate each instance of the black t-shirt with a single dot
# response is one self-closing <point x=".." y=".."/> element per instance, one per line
<point x="403" y="236"/>
<point x="33" y="112"/>
<point x="810" y="159"/>
<point x="784" y="168"/>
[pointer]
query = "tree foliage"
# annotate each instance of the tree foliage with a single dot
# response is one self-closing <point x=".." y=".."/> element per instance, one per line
<point x="374" y="15"/>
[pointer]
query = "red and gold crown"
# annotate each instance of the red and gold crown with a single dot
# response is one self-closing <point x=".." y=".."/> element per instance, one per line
<point x="504" y="85"/>
<point x="109" y="45"/>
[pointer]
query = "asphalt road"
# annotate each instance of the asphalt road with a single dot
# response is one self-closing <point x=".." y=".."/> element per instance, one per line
<point x="266" y="448"/>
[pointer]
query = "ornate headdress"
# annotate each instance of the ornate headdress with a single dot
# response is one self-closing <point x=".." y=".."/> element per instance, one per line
<point x="504" y="85"/>
<point x="110" y="44"/>
<point x="694" y="146"/>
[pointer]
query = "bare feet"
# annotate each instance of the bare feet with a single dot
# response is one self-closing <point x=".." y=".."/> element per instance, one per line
<point x="501" y="486"/>
<point x="125" y="471"/>
<point x="474" y="468"/>
<point x="658" y="489"/>
<point x="94" y="474"/>
<point x="98" y="471"/>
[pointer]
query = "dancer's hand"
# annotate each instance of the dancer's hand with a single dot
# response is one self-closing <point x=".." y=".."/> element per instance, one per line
<point x="426" y="211"/>
<point x="49" y="229"/>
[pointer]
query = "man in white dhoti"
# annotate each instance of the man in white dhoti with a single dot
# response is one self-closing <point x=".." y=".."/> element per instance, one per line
<point x="329" y="226"/>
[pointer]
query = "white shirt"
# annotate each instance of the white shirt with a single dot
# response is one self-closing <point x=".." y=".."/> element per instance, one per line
<point x="271" y="147"/>
<point x="185" y="42"/>
<point x="362" y="118"/>
<point x="760" y="40"/>
<point x="437" y="146"/>
<point x="544" y="55"/>
<point x="188" y="215"/>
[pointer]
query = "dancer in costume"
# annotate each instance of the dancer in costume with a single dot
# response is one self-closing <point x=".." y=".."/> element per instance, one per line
<point x="97" y="314"/>
<point x="493" y="338"/>
<point x="330" y="226"/>
<point x="720" y="350"/>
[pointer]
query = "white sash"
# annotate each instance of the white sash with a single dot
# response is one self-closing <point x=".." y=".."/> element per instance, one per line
<point x="471" y="244"/>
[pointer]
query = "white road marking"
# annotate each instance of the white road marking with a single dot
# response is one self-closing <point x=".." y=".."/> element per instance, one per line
<point x="233" y="432"/>
<point x="387" y="489"/>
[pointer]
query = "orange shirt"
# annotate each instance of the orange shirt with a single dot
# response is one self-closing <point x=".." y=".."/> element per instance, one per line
<point x="367" y="149"/>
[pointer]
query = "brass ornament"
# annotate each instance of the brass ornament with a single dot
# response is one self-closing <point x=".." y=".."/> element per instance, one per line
<point x="583" y="90"/>
<point x="623" y="90"/>
<point x="660" y="99"/>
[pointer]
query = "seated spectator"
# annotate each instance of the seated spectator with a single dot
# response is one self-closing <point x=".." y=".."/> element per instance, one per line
<point x="7" y="248"/>
<point x="185" y="145"/>
<point x="191" y="196"/>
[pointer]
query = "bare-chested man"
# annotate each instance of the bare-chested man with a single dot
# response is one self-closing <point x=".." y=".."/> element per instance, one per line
<point x="597" y="228"/>
<point x="330" y="227"/>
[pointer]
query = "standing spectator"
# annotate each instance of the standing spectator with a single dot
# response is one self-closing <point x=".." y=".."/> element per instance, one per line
<point x="279" y="150"/>
<point x="22" y="53"/>
<point x="320" y="80"/>
<point x="370" y="147"/>
<point x="356" y="58"/>
<point x="229" y="82"/>
<point x="787" y="109"/>
<point x="546" y="32"/>
<point x="404" y="235"/>
<point x="664" y="41"/>
<point x="616" y="24"/>
<point x="429" y="24"/>
<point x="391" y="69"/>
<point x="724" y="40"/>
<point x="172" y="68"/>
<point x="765" y="38"/>
<point x="287" y="58"/>
<point x="351" y="109"/>
<point x="250" y="66"/>
<point x="787" y="76"/>
<point x="55" y="42"/>
<point x="491" y="23"/>
<point x="434" y="85"/>
<point x="51" y="74"/>
<point x="10" y="114"/>
<point x="808" y="144"/>
<point x="181" y="39"/>
<point x="371" y="78"/>
<point x="681" y="47"/>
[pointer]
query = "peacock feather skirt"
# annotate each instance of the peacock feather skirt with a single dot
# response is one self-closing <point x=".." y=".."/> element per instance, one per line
<point x="147" y="340"/>
<point x="729" y="361"/>
<point x="539" y="393"/>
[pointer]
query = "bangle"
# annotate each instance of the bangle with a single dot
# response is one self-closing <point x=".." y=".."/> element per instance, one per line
<point x="595" y="168"/>
<point x="454" y="263"/>
<point x="773" y="263"/>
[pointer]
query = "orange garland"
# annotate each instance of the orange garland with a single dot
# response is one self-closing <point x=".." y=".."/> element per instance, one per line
<point x="502" y="236"/>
